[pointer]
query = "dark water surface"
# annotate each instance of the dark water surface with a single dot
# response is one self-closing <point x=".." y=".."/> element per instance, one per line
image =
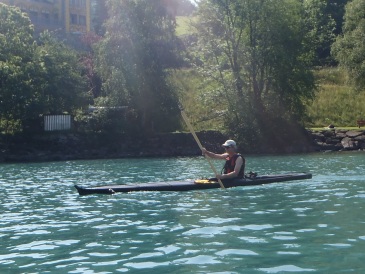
<point x="313" y="225"/>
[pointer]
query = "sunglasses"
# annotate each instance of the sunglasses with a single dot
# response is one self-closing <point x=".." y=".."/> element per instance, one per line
<point x="227" y="147"/>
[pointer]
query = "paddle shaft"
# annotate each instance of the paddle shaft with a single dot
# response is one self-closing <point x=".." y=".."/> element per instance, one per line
<point x="200" y="145"/>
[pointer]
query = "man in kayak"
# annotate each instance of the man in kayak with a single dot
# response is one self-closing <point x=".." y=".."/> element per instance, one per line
<point x="235" y="163"/>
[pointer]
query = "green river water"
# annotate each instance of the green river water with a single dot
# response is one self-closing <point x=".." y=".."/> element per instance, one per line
<point x="315" y="226"/>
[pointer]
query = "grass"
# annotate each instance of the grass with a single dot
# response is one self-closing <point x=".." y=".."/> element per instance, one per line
<point x="336" y="102"/>
<point x="192" y="95"/>
<point x="334" y="76"/>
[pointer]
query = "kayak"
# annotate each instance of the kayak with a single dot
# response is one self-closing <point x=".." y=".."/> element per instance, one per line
<point x="192" y="184"/>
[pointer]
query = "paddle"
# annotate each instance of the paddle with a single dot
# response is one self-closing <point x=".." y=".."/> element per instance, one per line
<point x="200" y="145"/>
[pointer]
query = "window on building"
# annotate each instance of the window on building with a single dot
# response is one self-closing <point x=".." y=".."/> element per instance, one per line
<point x="46" y="17"/>
<point x="78" y="3"/>
<point x="82" y="20"/>
<point x="55" y="18"/>
<point x="73" y="18"/>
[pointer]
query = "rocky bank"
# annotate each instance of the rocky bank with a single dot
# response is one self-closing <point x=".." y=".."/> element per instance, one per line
<point x="71" y="146"/>
<point x="338" y="140"/>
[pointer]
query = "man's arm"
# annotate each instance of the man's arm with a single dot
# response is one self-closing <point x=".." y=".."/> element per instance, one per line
<point x="214" y="155"/>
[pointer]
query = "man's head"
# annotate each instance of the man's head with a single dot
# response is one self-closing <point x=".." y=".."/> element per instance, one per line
<point x="230" y="144"/>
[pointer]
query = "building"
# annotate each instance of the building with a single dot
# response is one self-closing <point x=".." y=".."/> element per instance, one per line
<point x="69" y="16"/>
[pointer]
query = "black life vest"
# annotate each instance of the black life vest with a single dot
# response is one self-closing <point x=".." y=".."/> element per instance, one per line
<point x="231" y="163"/>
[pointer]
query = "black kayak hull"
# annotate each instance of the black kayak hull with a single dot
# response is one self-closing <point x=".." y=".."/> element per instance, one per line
<point x="191" y="185"/>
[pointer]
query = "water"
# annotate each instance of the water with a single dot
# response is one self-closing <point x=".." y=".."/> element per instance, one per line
<point x="304" y="226"/>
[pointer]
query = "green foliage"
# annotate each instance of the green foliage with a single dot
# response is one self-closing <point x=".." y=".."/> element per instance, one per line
<point x="321" y="29"/>
<point x="133" y="57"/>
<point x="16" y="52"/>
<point x="194" y="93"/>
<point x="336" y="102"/>
<point x="107" y="121"/>
<point x="16" y="34"/>
<point x="183" y="25"/>
<point x="349" y="48"/>
<point x="331" y="76"/>
<point x="35" y="79"/>
<point x="251" y="72"/>
<point x="336" y="10"/>
<point x="258" y="56"/>
<point x="324" y="20"/>
<point x="58" y="79"/>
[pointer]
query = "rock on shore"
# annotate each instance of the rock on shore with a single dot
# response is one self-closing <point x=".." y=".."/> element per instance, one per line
<point x="338" y="140"/>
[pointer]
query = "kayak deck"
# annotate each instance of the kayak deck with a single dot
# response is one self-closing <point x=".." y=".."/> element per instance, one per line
<point x="191" y="184"/>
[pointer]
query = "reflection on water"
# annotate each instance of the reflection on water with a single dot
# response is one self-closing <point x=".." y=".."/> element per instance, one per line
<point x="303" y="226"/>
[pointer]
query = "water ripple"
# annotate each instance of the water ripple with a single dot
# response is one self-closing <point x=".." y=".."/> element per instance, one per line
<point x="286" y="268"/>
<point x="304" y="226"/>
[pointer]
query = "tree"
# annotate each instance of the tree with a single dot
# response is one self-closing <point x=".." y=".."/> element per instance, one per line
<point x="336" y="10"/>
<point x="58" y="79"/>
<point x="324" y="20"/>
<point x="349" y="48"/>
<point x="16" y="51"/>
<point x="35" y="79"/>
<point x="257" y="54"/>
<point x="138" y="47"/>
<point x="100" y="15"/>
<point x="321" y="29"/>
<point x="88" y="61"/>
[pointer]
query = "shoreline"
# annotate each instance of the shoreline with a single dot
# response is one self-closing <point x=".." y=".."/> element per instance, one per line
<point x="72" y="146"/>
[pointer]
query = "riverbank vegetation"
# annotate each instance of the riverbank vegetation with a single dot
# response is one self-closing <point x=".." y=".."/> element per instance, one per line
<point x="258" y="70"/>
<point x="336" y="102"/>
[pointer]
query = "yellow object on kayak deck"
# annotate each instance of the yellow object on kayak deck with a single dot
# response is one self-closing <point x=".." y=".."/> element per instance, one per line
<point x="204" y="181"/>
